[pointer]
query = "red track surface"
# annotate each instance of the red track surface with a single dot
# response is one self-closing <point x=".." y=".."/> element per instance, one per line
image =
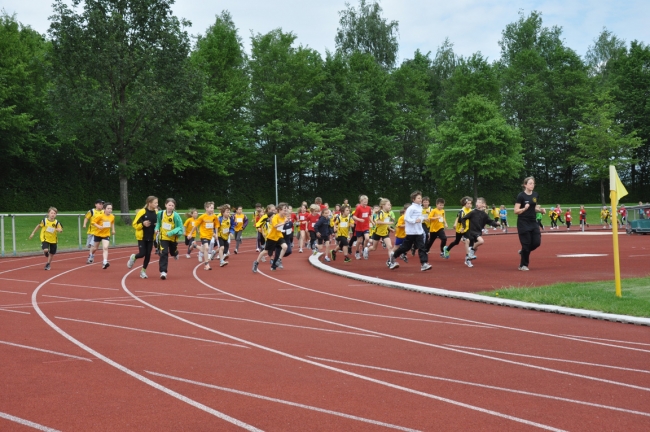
<point x="292" y="328"/>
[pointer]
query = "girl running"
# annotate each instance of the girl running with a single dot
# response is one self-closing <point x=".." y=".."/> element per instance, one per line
<point x="189" y="229"/>
<point x="206" y="226"/>
<point x="323" y="232"/>
<point x="241" y="222"/>
<point x="400" y="232"/>
<point x="383" y="224"/>
<point x="313" y="218"/>
<point x="527" y="227"/>
<point x="362" y="221"/>
<point x="104" y="226"/>
<point x="503" y="218"/>
<point x="259" y="213"/>
<point x="342" y="230"/>
<point x="50" y="229"/>
<point x="461" y="228"/>
<point x="170" y="225"/>
<point x="225" y="229"/>
<point x="144" y="224"/>
<point x="303" y="221"/>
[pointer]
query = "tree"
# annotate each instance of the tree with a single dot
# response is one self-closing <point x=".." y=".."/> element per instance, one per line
<point x="601" y="142"/>
<point x="123" y="81"/>
<point x="471" y="75"/>
<point x="364" y="30"/>
<point x="475" y="144"/>
<point x="606" y="47"/>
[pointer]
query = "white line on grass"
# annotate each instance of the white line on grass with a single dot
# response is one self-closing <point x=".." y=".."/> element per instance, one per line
<point x="24" y="422"/>
<point x="272" y="323"/>
<point x="127" y="371"/>
<point x="475" y="384"/>
<point x="44" y="350"/>
<point x="285" y="402"/>
<point x="152" y="331"/>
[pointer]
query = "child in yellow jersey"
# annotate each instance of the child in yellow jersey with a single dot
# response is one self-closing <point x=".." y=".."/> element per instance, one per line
<point x="225" y="229"/>
<point x="206" y="227"/>
<point x="495" y="214"/>
<point x="426" y="223"/>
<point x="262" y="226"/>
<point x="50" y="228"/>
<point x="104" y="226"/>
<point x="400" y="231"/>
<point x="461" y="229"/>
<point x="144" y="224"/>
<point x="170" y="227"/>
<point x="90" y="214"/>
<point x="241" y="222"/>
<point x="605" y="217"/>
<point x="383" y="223"/>
<point x="373" y="227"/>
<point x="189" y="224"/>
<point x="342" y="228"/>
<point x="437" y="225"/>
<point x="275" y="238"/>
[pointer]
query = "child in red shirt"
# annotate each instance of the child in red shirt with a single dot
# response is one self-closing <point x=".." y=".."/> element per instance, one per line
<point x="362" y="216"/>
<point x="567" y="218"/>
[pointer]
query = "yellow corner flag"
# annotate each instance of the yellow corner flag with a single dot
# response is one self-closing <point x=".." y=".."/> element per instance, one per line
<point x="616" y="192"/>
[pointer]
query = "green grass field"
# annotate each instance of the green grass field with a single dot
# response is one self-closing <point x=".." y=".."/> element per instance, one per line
<point x="598" y="296"/>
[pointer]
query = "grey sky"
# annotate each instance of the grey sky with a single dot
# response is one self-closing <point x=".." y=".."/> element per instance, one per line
<point x="472" y="25"/>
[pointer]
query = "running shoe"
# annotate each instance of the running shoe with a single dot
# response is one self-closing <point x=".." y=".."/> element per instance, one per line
<point x="333" y="254"/>
<point x="300" y="250"/>
<point x="131" y="261"/>
<point x="255" y="264"/>
<point x="257" y="250"/>
<point x="200" y="256"/>
<point x="383" y="243"/>
<point x="47" y="266"/>
<point x="357" y="256"/>
<point x="519" y="252"/>
<point x="388" y="262"/>
<point x="365" y="253"/>
<point x="143" y="274"/>
<point x="445" y="251"/>
<point x="468" y="263"/>
<point x="264" y="258"/>
<point x="279" y="263"/>
<point x="176" y="256"/>
<point x="163" y="275"/>
<point x="425" y="267"/>
<point x="207" y="267"/>
<point x="212" y="254"/>
<point x="187" y="255"/>
<point x="106" y="265"/>
<point x="327" y="259"/>
<point x="223" y="263"/>
<point x="90" y="259"/>
<point x="314" y="252"/>
<point x="347" y="259"/>
<point x="472" y="254"/>
<point x="393" y="265"/>
<point x="404" y="258"/>
<point x="523" y="268"/>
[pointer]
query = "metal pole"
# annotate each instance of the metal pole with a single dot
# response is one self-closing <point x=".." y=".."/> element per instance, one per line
<point x="2" y="233"/>
<point x="13" y="232"/>
<point x="79" y="228"/>
<point x="276" y="179"/>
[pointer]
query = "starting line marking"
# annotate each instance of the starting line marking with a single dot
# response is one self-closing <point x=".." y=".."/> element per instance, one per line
<point x="581" y="255"/>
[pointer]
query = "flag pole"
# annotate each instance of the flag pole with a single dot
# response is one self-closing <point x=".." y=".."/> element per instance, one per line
<point x="617" y="265"/>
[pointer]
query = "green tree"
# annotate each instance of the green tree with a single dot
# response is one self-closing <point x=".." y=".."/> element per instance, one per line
<point x="123" y="81"/>
<point x="475" y="144"/>
<point x="601" y="142"/>
<point x="364" y="30"/>
<point x="217" y="138"/>
<point x="606" y="47"/>
<point x="471" y="75"/>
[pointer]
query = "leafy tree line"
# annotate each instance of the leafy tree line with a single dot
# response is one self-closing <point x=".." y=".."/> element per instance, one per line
<point x="118" y="102"/>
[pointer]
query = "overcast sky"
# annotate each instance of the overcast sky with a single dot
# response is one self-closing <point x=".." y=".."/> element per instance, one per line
<point x="471" y="25"/>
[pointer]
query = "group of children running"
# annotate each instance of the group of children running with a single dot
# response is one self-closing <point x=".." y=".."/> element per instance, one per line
<point x="339" y="231"/>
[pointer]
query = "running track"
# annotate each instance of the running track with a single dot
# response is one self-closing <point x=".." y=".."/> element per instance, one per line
<point x="298" y="349"/>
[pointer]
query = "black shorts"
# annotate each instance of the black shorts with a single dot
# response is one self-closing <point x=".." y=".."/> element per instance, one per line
<point x="205" y="241"/>
<point x="342" y="241"/>
<point x="97" y="239"/>
<point x="51" y="247"/>
<point x="223" y="241"/>
<point x="361" y="234"/>
<point x="188" y="240"/>
<point x="472" y="237"/>
<point x="272" y="244"/>
<point x="377" y="237"/>
<point x="312" y="236"/>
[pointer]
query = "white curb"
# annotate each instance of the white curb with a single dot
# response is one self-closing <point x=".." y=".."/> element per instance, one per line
<point x="584" y="313"/>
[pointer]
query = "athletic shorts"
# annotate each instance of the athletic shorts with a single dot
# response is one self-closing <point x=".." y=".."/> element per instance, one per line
<point x="205" y="241"/>
<point x="377" y="237"/>
<point x="223" y="241"/>
<point x="361" y="234"/>
<point x="472" y="237"/>
<point x="342" y="241"/>
<point x="90" y="240"/>
<point x="189" y="240"/>
<point x="321" y="240"/>
<point x="312" y="236"/>
<point x="272" y="244"/>
<point x="99" y="239"/>
<point x="398" y="241"/>
<point x="51" y="247"/>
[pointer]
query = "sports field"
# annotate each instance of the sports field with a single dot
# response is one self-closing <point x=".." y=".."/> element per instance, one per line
<point x="302" y="349"/>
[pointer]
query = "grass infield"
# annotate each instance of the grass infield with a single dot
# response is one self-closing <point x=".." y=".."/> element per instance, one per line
<point x="598" y="296"/>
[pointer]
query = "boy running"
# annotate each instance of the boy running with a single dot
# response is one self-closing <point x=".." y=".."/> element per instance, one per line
<point x="274" y="238"/>
<point x="50" y="229"/>
<point x="206" y="227"/>
<point x="437" y="225"/>
<point x="90" y="214"/>
<point x="461" y="228"/>
<point x="241" y="222"/>
<point x="414" y="233"/>
<point x="342" y="229"/>
<point x="503" y="218"/>
<point x="477" y="219"/>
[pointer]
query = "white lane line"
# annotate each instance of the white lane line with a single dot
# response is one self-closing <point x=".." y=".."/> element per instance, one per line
<point x="127" y="371"/>
<point x="13" y="292"/>
<point x="324" y="366"/>
<point x="581" y="255"/>
<point x="610" y="340"/>
<point x="366" y="284"/>
<point x="384" y="316"/>
<point x="552" y="359"/>
<point x="187" y="296"/>
<point x="475" y="384"/>
<point x="19" y="280"/>
<point x="289" y="289"/>
<point x="24" y="422"/>
<point x="86" y="286"/>
<point x="451" y="317"/>
<point x="272" y="323"/>
<point x="45" y="351"/>
<point x="19" y="312"/>
<point x="210" y="294"/>
<point x="108" y="299"/>
<point x="151" y="331"/>
<point x="418" y="342"/>
<point x="285" y="402"/>
<point x="91" y="301"/>
<point x="58" y="261"/>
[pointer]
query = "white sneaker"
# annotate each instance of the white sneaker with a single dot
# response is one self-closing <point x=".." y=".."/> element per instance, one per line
<point x="200" y="256"/>
<point x="425" y="267"/>
<point x="212" y="254"/>
<point x="143" y="274"/>
<point x="131" y="261"/>
<point x="187" y="256"/>
<point x="523" y="268"/>
<point x="300" y="251"/>
<point x="264" y="258"/>
<point x="257" y="250"/>
<point x="468" y="263"/>
<point x="365" y="253"/>
<point x="177" y="256"/>
<point x="223" y="263"/>
<point x="393" y="265"/>
<point x="163" y="275"/>
<point x="357" y="256"/>
<point x="327" y="259"/>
